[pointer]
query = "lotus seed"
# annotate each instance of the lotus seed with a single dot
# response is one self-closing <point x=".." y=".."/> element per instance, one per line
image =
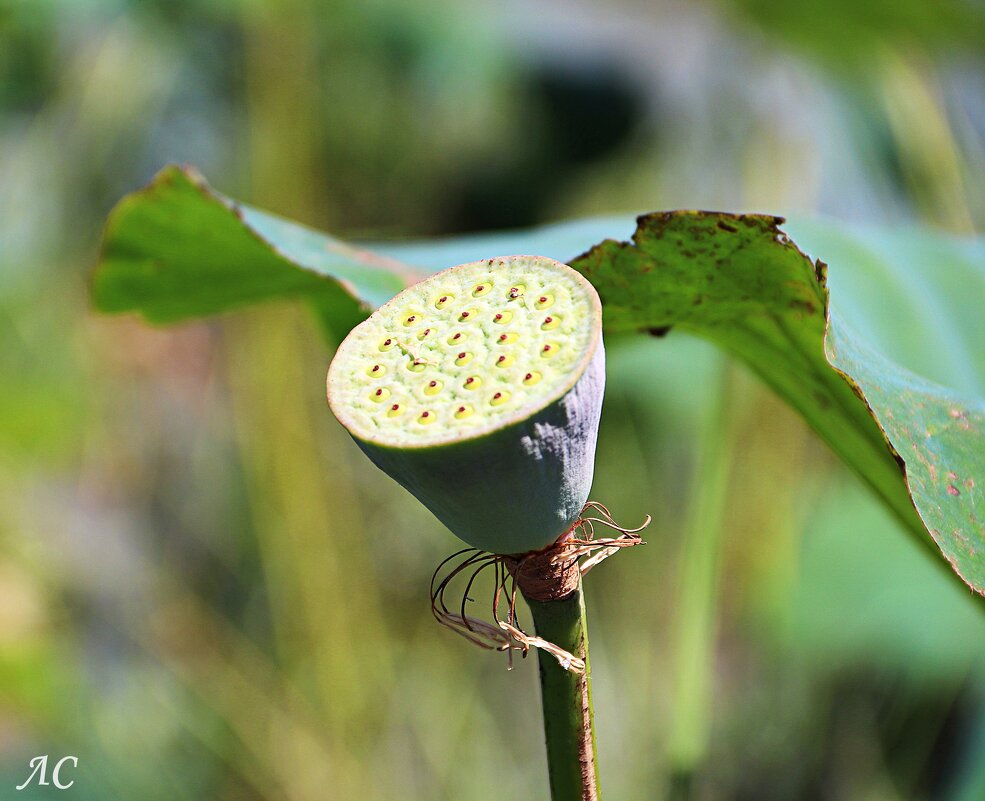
<point x="505" y="360"/>
<point x="380" y="395"/>
<point x="481" y="290"/>
<point x="463" y="359"/>
<point x="544" y="302"/>
<point x="499" y="398"/>
<point x="472" y="382"/>
<point x="550" y="323"/>
<point x="433" y="388"/>
<point x="377" y="370"/>
<point x="443" y="301"/>
<point x="531" y="378"/>
<point x="462" y="412"/>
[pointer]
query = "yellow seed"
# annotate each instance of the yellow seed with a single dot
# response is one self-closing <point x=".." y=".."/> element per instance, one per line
<point x="499" y="398"/>
<point x="379" y="395"/>
<point x="443" y="300"/>
<point x="544" y="301"/>
<point x="416" y="366"/>
<point x="463" y="411"/>
<point x="463" y="358"/>
<point x="502" y="318"/>
<point x="426" y="418"/>
<point x="508" y="338"/>
<point x="550" y="323"/>
<point x="531" y="378"/>
<point x="457" y="338"/>
<point x="472" y="382"/>
<point x="425" y="333"/>
<point x="433" y="387"/>
<point x="549" y="350"/>
<point x="505" y="360"/>
<point x="395" y="411"/>
<point x="376" y="371"/>
<point x="410" y="319"/>
<point x="387" y="343"/>
<point x="481" y="289"/>
<point x="468" y="315"/>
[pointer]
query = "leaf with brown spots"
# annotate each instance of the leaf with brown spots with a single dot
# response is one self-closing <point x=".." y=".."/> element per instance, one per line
<point x="739" y="281"/>
<point x="886" y="368"/>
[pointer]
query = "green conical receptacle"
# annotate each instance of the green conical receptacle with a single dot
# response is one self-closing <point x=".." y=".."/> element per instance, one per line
<point x="480" y="390"/>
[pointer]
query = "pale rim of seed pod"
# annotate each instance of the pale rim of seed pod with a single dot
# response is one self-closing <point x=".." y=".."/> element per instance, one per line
<point x="336" y="376"/>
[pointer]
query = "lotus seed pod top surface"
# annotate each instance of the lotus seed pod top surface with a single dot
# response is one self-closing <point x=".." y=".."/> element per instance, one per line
<point x="465" y="352"/>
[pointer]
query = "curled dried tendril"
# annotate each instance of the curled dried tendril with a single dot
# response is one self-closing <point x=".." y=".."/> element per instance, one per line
<point x="574" y="554"/>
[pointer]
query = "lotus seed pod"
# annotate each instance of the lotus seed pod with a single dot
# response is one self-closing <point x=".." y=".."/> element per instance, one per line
<point x="480" y="390"/>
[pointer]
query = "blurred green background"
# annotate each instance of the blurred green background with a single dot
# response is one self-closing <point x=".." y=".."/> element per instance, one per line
<point x="206" y="592"/>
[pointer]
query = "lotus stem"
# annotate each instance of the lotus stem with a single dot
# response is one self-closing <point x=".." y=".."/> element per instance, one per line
<point x="566" y="698"/>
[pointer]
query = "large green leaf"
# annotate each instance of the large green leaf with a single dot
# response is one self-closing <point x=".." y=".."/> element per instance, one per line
<point x="740" y="282"/>
<point x="178" y="249"/>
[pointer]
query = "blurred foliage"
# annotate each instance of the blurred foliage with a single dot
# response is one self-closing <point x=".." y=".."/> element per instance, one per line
<point x="206" y="593"/>
<point x="849" y="35"/>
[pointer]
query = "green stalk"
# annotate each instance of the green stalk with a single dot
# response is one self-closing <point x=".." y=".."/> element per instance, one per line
<point x="695" y="622"/>
<point x="567" y="700"/>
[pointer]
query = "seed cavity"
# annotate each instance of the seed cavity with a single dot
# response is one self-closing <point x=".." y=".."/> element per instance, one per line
<point x="449" y="337"/>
